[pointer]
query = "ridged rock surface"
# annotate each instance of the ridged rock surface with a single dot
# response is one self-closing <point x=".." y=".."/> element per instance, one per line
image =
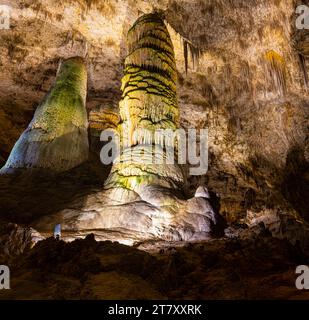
<point x="148" y="102"/>
<point x="259" y="267"/>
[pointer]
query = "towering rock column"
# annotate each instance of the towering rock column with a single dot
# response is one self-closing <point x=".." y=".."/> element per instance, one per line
<point x="56" y="138"/>
<point x="148" y="103"/>
<point x="141" y="199"/>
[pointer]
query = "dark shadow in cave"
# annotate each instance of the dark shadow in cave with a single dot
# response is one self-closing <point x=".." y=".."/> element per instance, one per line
<point x="295" y="185"/>
<point x="218" y="229"/>
<point x="26" y="196"/>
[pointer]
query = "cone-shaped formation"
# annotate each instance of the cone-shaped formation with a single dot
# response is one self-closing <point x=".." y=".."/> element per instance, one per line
<point x="56" y="138"/>
<point x="148" y="103"/>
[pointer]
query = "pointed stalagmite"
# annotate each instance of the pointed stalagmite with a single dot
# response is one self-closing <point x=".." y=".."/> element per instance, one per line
<point x="56" y="138"/>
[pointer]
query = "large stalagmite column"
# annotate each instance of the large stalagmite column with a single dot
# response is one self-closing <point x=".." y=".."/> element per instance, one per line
<point x="56" y="138"/>
<point x="148" y="103"/>
<point x="142" y="199"/>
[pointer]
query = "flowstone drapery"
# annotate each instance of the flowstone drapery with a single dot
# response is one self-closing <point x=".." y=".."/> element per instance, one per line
<point x="148" y="104"/>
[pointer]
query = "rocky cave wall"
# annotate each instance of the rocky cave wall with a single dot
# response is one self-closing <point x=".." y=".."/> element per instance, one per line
<point x="241" y="73"/>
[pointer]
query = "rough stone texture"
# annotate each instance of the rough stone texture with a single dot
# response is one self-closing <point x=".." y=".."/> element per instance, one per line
<point x="202" y="192"/>
<point x="101" y="119"/>
<point x="56" y="138"/>
<point x="258" y="267"/>
<point x="15" y="239"/>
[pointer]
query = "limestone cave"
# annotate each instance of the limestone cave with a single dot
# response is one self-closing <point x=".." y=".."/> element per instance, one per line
<point x="154" y="150"/>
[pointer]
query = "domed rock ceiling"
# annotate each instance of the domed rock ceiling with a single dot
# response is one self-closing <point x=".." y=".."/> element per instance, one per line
<point x="242" y="74"/>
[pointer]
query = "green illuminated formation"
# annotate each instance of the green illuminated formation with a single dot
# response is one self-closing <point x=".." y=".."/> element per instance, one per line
<point x="56" y="138"/>
<point x="149" y="101"/>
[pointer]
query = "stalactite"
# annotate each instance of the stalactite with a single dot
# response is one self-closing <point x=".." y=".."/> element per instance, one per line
<point x="275" y="70"/>
<point x="303" y="67"/>
<point x="195" y="53"/>
<point x="188" y="49"/>
<point x="185" y="53"/>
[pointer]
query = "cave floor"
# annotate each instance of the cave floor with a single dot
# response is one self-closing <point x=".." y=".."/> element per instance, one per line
<point x="259" y="267"/>
<point x="245" y="265"/>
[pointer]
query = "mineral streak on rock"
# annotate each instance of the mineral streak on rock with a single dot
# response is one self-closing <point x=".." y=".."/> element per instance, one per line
<point x="56" y="138"/>
<point x="148" y="102"/>
<point x="275" y="67"/>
